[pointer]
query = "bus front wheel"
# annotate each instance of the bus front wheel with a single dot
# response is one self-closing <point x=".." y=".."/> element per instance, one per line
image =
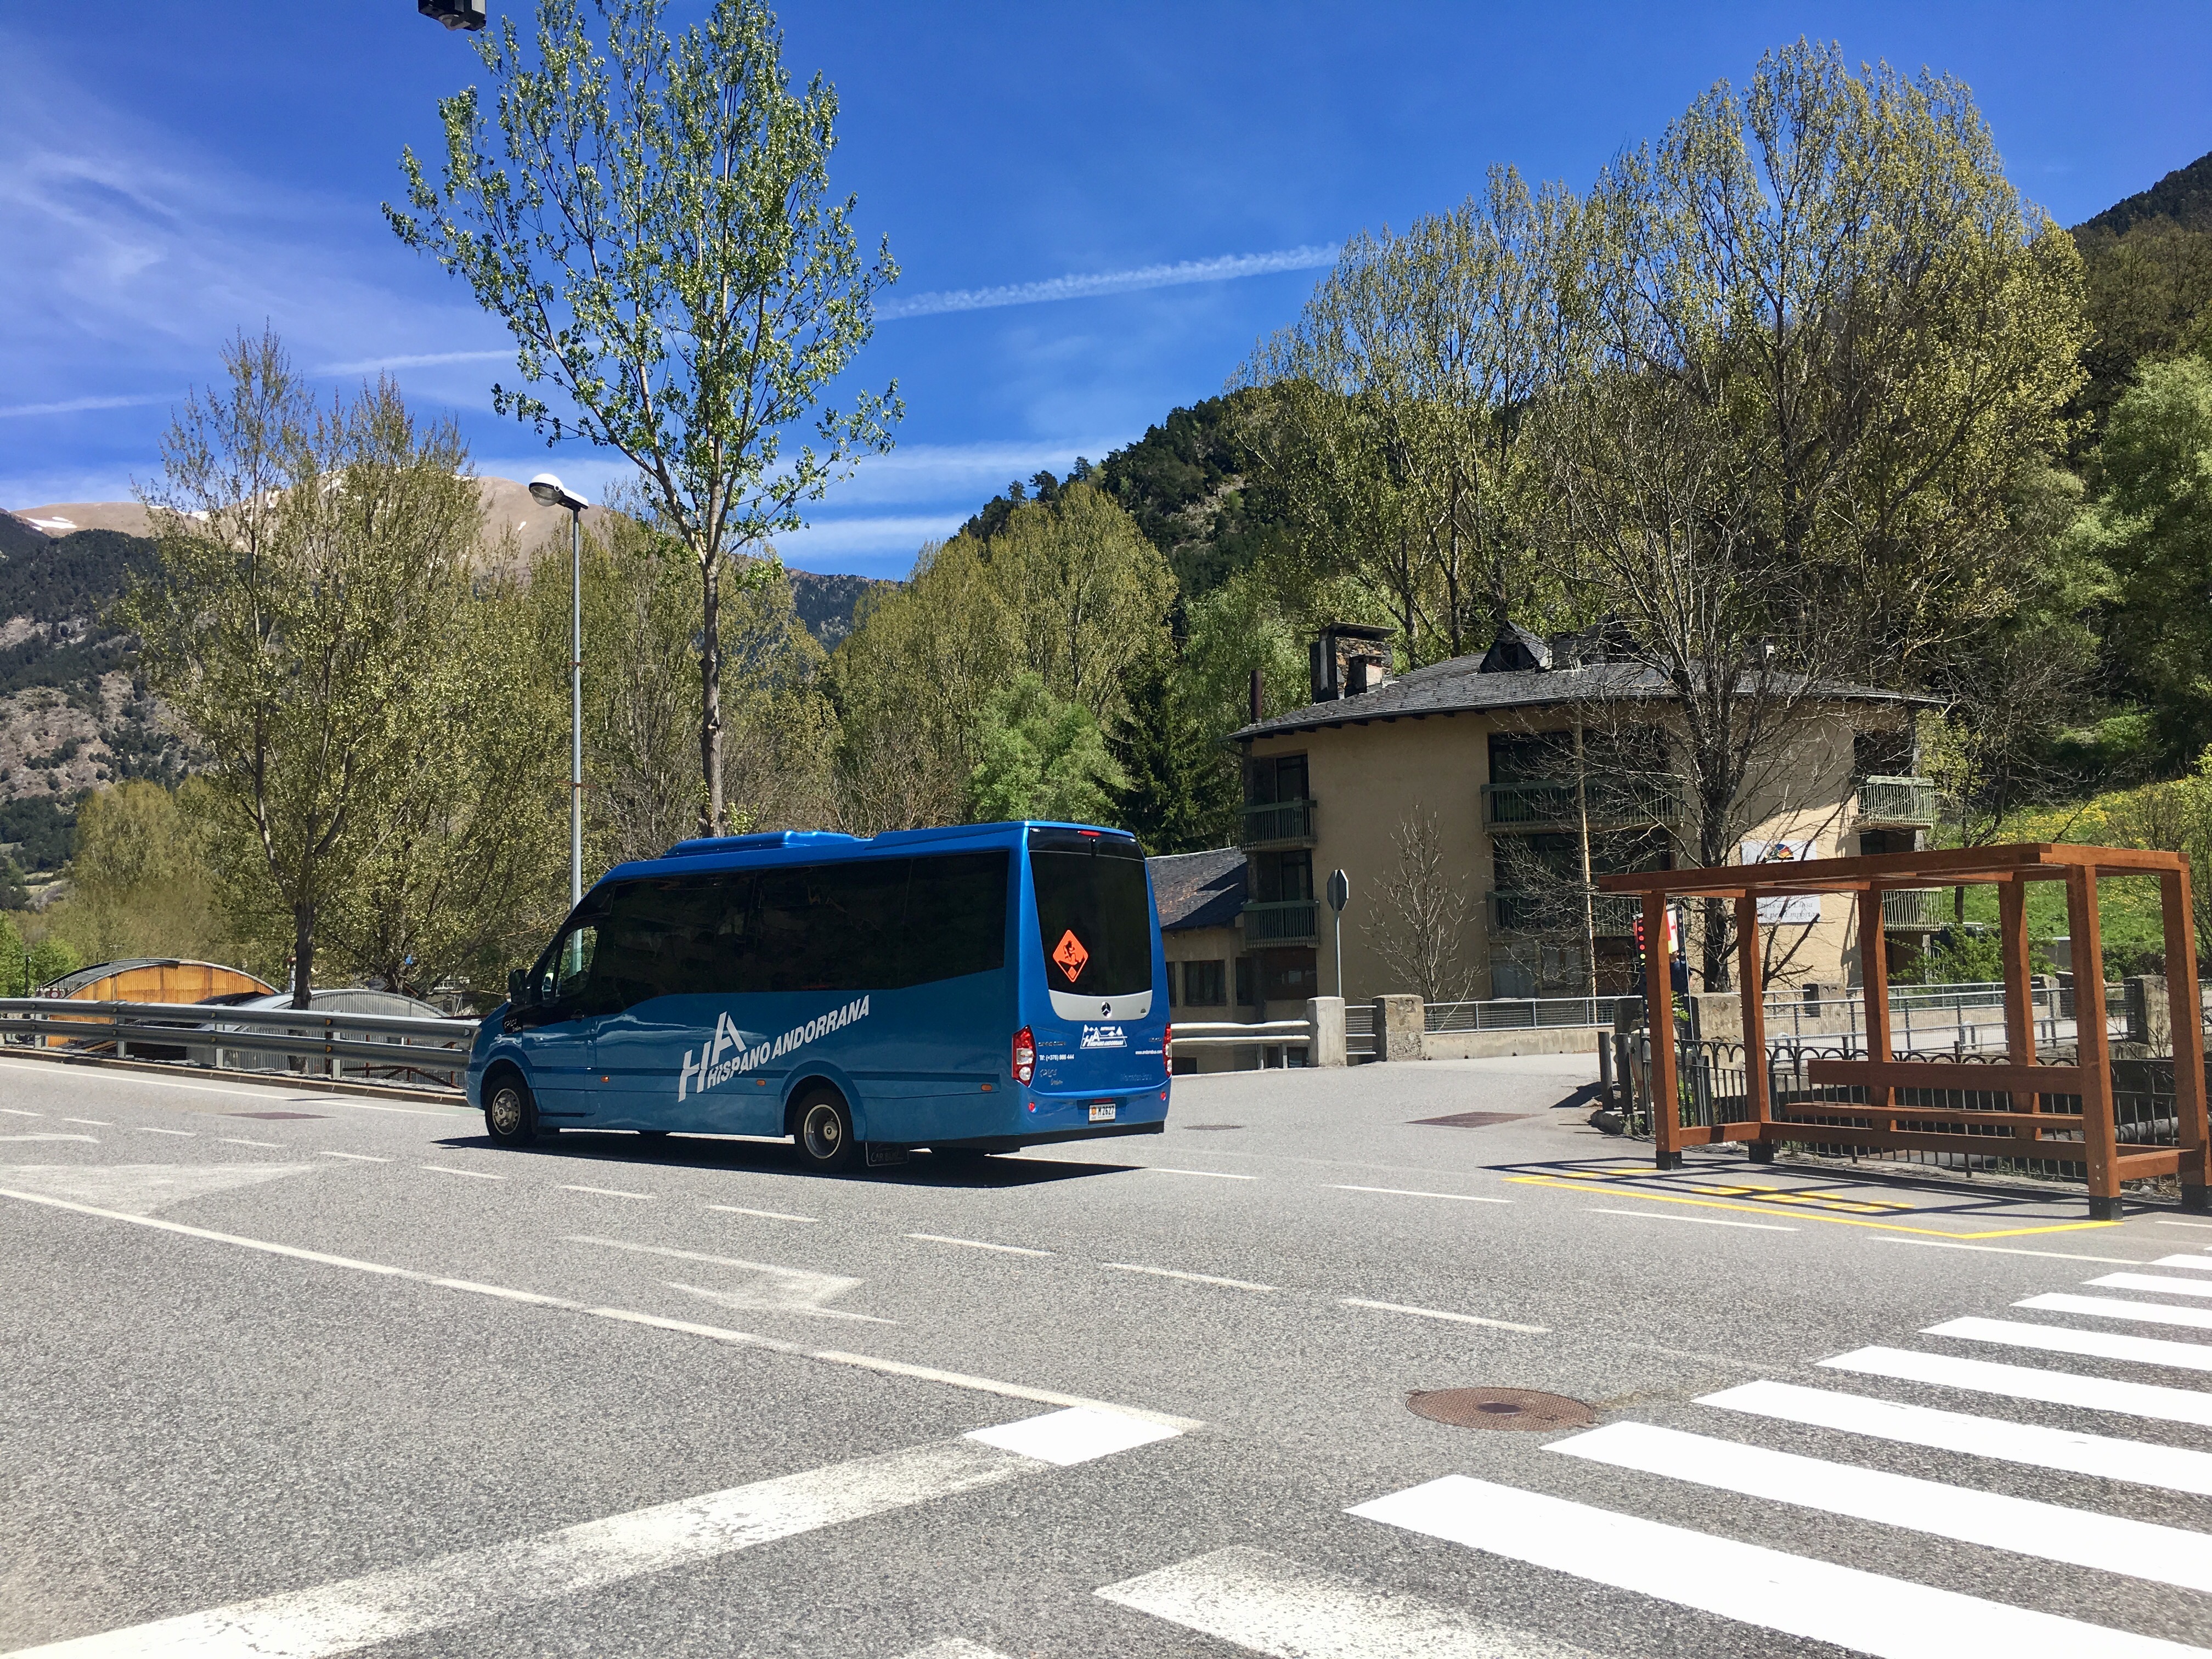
<point x="825" y="1132"/>
<point x="510" y="1115"/>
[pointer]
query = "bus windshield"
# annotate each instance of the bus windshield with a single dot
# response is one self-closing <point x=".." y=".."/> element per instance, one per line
<point x="1094" y="913"/>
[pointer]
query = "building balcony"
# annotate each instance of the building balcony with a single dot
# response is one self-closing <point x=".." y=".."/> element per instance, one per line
<point x="1278" y="823"/>
<point x="1287" y="921"/>
<point x="1915" y="910"/>
<point x="1559" y="914"/>
<point x="1612" y="803"/>
<point x="1897" y="803"/>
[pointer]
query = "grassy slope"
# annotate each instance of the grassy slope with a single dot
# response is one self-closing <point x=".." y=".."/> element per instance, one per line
<point x="2127" y="910"/>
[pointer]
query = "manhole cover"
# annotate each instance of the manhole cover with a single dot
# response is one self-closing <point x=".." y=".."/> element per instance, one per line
<point x="1499" y="1408"/>
<point x="1475" y="1119"/>
<point x="273" y="1116"/>
<point x="1212" y="1126"/>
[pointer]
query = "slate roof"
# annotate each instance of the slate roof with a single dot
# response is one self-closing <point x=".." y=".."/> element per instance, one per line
<point x="1460" y="685"/>
<point x="1198" y="889"/>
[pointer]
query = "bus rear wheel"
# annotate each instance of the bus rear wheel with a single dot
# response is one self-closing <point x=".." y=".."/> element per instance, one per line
<point x="825" y="1132"/>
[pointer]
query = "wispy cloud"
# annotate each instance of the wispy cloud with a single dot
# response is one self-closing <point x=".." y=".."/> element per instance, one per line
<point x="1226" y="268"/>
<point x="79" y="405"/>
<point x="417" y="360"/>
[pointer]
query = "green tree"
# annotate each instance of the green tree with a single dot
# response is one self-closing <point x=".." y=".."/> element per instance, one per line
<point x="310" y="562"/>
<point x="1041" y="758"/>
<point x="1183" y="792"/>
<point x="2152" y="525"/>
<point x="651" y="223"/>
<point x="141" y="880"/>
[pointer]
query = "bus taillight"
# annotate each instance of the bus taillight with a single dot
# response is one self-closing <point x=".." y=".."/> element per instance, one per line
<point x="1167" y="1051"/>
<point x="1024" y="1055"/>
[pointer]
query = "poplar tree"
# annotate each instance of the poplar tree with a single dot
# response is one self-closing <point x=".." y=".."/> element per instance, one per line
<point x="651" y="221"/>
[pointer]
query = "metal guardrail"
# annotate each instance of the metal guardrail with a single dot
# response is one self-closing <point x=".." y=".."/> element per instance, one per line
<point x="1517" y="1013"/>
<point x="1901" y="801"/>
<point x="1278" y="823"/>
<point x="384" y="1041"/>
<point x="1278" y="1035"/>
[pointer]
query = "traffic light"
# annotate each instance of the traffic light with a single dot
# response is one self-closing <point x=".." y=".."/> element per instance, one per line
<point x="454" y="14"/>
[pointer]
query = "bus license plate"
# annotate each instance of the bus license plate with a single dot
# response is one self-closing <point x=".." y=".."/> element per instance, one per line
<point x="1101" y="1111"/>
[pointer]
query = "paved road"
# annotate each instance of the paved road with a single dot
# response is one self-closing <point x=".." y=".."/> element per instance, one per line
<point x="288" y="1373"/>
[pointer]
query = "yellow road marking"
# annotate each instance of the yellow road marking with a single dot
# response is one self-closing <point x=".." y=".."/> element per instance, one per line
<point x="1578" y="1186"/>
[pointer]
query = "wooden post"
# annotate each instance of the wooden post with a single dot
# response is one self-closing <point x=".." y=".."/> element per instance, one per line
<point x="1873" y="981"/>
<point x="1659" y="1006"/>
<point x="2100" y="1134"/>
<point x="1750" y="976"/>
<point x="2020" y="995"/>
<point x="2188" y="1019"/>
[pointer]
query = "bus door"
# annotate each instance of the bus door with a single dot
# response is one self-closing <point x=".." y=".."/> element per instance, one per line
<point x="559" y="1024"/>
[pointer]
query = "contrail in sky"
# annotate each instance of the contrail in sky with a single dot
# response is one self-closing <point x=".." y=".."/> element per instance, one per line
<point x="1228" y="266"/>
<point x="421" y="360"/>
<point x="78" y="405"/>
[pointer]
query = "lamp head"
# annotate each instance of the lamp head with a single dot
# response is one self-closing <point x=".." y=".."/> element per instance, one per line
<point x="549" y="491"/>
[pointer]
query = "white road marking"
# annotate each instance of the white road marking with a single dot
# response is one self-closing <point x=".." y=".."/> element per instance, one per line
<point x="2052" y="1532"/>
<point x="2164" y="1221"/>
<point x="1265" y="1604"/>
<point x="2096" y="1394"/>
<point x="1701" y="1220"/>
<point x="187" y="1134"/>
<point x="474" y="1175"/>
<point x="472" y="1586"/>
<point x="234" y="1140"/>
<point x="1217" y="1174"/>
<point x="1819" y="1601"/>
<point x="977" y="1244"/>
<point x="16" y="1111"/>
<point x="765" y="1215"/>
<point x="1075" y="1435"/>
<point x="96" y="1122"/>
<point x="608" y="1192"/>
<point x="402" y="1111"/>
<point x="1438" y="1313"/>
<point x="954" y="1647"/>
<point x="2202" y="1263"/>
<point x="2176" y="1468"/>
<point x="831" y="1357"/>
<point x="2118" y="1307"/>
<point x="2157" y="1282"/>
<point x="2061" y="1339"/>
<point x="357" y="1157"/>
<point x="770" y="1289"/>
<point x="1401" y="1192"/>
<point x="89" y="1140"/>
<point x="1194" y="1279"/>
<point x="140" y="1188"/>
<point x="111" y="1076"/>
<point x="2000" y="1250"/>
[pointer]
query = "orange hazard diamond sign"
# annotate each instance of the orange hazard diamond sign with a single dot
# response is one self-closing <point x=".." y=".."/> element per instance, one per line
<point x="1071" y="956"/>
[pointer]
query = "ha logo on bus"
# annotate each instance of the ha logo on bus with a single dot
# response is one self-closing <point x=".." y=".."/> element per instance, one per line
<point x="1104" y="1036"/>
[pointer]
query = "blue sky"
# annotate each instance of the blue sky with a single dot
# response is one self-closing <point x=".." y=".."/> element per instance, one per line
<point x="1139" y="191"/>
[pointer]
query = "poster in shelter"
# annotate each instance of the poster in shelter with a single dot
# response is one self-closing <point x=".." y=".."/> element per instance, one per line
<point x="1798" y="908"/>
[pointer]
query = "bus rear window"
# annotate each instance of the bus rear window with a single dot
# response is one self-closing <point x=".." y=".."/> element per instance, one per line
<point x="1094" y="916"/>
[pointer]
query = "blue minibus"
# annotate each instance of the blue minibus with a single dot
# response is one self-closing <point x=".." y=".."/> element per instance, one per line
<point x="970" y="989"/>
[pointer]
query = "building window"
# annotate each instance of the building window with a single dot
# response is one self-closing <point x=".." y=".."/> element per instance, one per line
<point x="1202" y="984"/>
<point x="1274" y="778"/>
<point x="1174" y="984"/>
<point x="1244" y="981"/>
<point x="1279" y="878"/>
<point x="1289" y="976"/>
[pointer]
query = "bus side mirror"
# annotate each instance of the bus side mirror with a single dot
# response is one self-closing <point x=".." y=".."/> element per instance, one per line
<point x="518" y="984"/>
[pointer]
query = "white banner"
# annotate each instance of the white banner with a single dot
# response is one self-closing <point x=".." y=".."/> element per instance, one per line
<point x="1798" y="908"/>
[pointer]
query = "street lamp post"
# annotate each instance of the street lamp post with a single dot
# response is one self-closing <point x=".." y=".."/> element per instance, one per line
<point x="549" y="491"/>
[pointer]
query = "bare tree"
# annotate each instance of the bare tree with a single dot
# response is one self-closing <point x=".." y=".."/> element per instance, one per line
<point x="1420" y="930"/>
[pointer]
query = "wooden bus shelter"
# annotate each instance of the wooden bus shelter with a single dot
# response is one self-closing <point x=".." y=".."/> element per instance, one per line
<point x="2020" y="1085"/>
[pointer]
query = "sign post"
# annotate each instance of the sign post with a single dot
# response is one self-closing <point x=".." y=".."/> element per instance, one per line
<point x="1339" y="893"/>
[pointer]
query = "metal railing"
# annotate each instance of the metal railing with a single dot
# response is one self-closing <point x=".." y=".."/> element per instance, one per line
<point x="1278" y="822"/>
<point x="1904" y="802"/>
<point x="1915" y="910"/>
<point x="198" y="1034"/>
<point x="1284" y="921"/>
<point x="1517" y="1013"/>
<point x="1276" y="1036"/>
<point x="1560" y="912"/>
<point x="1540" y="803"/>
